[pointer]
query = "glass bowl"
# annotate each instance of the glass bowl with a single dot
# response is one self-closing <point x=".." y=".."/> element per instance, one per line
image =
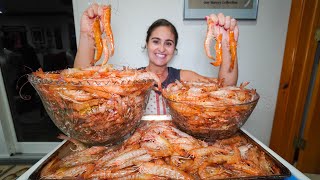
<point x="210" y="121"/>
<point x="93" y="111"/>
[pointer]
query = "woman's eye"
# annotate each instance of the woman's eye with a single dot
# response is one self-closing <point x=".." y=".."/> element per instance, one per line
<point x="155" y="41"/>
<point x="169" y="44"/>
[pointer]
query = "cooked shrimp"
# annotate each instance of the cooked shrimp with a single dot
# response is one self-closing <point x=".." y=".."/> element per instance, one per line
<point x="218" y="48"/>
<point x="233" y="49"/>
<point x="71" y="173"/>
<point x="107" y="41"/>
<point x="209" y="37"/>
<point x="97" y="39"/>
<point x="163" y="170"/>
<point x="108" y="174"/>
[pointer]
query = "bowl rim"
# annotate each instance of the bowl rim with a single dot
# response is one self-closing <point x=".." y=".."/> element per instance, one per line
<point x="34" y="79"/>
<point x="196" y="103"/>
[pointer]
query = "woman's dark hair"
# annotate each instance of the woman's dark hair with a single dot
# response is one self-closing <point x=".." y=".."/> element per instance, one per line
<point x="162" y="22"/>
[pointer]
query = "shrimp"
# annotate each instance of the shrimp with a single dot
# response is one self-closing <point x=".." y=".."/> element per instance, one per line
<point x="50" y="167"/>
<point x="212" y="172"/>
<point x="198" y="152"/>
<point x="79" y="146"/>
<point x="73" y="172"/>
<point x="106" y="51"/>
<point x="75" y="95"/>
<point x="108" y="174"/>
<point x="126" y="156"/>
<point x="247" y="167"/>
<point x="218" y="47"/>
<point x="139" y="176"/>
<point x="209" y="37"/>
<point x="163" y="170"/>
<point x="134" y="161"/>
<point x="108" y="42"/>
<point x="103" y="43"/>
<point x="51" y="76"/>
<point x="233" y="49"/>
<point x="82" y="157"/>
<point x="97" y="39"/>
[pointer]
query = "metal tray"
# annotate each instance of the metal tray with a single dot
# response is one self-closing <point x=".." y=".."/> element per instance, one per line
<point x="284" y="171"/>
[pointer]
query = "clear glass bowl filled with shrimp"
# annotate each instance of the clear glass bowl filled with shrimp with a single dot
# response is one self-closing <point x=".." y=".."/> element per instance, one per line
<point x="209" y="111"/>
<point x="95" y="105"/>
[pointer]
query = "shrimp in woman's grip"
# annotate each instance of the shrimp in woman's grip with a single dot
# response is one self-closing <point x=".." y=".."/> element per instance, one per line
<point x="233" y="49"/>
<point x="107" y="27"/>
<point x="103" y="40"/>
<point x="97" y="38"/>
<point x="218" y="48"/>
<point x="209" y="37"/>
<point x="107" y="41"/>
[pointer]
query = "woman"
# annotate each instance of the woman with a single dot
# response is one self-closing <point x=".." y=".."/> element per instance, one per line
<point x="161" y="43"/>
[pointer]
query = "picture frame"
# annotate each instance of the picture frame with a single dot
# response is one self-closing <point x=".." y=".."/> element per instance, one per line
<point x="238" y="9"/>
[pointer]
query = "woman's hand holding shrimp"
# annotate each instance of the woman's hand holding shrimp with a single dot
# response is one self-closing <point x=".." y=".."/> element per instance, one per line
<point x="226" y="32"/>
<point x="222" y="26"/>
<point x="88" y="18"/>
<point x="87" y="43"/>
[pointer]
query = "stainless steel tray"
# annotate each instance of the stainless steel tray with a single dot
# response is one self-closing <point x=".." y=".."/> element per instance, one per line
<point x="67" y="146"/>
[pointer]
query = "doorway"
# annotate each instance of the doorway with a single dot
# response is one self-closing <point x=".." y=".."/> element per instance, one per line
<point x="33" y="34"/>
<point x="299" y="142"/>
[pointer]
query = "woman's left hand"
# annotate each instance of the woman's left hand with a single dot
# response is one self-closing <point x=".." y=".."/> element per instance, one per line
<point x="222" y="24"/>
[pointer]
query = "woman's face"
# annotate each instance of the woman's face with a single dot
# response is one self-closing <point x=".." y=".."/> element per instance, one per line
<point x="161" y="46"/>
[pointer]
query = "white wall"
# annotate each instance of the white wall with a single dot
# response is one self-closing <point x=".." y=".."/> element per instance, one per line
<point x="260" y="49"/>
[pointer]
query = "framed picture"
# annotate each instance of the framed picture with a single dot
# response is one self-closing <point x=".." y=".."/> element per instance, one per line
<point x="38" y="36"/>
<point x="238" y="9"/>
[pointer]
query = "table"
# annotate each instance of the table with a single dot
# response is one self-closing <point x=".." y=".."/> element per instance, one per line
<point x="295" y="173"/>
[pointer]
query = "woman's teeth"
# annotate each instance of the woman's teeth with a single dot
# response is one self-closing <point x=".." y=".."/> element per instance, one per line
<point x="160" y="55"/>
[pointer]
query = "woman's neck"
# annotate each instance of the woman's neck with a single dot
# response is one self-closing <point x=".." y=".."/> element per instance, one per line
<point x="161" y="72"/>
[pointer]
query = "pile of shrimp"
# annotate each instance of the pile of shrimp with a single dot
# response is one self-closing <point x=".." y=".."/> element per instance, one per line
<point x="158" y="150"/>
<point x="209" y="110"/>
<point x="95" y="104"/>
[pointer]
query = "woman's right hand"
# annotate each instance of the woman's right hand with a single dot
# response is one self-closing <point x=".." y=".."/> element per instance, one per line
<point x="86" y="48"/>
<point x="88" y="17"/>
